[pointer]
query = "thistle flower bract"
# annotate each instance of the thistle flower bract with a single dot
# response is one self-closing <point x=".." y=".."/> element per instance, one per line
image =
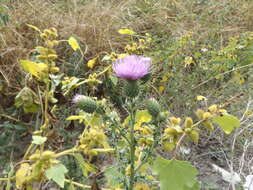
<point x="132" y="67"/>
<point x="86" y="103"/>
<point x="153" y="107"/>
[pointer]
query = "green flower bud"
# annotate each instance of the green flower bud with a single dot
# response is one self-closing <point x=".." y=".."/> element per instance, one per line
<point x="153" y="107"/>
<point x="131" y="88"/>
<point x="188" y="122"/>
<point x="85" y="103"/>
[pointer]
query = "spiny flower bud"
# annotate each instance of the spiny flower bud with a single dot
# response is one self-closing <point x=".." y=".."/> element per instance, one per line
<point x="85" y="103"/>
<point x="175" y="121"/>
<point x="153" y="107"/>
<point x="43" y="35"/>
<point x="163" y="116"/>
<point x="194" y="135"/>
<point x="213" y="108"/>
<point x="42" y="57"/>
<point x="168" y="146"/>
<point x="188" y="130"/>
<point x="200" y="113"/>
<point x="207" y="115"/>
<point x="188" y="122"/>
<point x="47" y="154"/>
<point x="170" y="131"/>
<point x="52" y="56"/>
<point x="208" y="125"/>
<point x="131" y="88"/>
<point x="54" y="69"/>
<point x="222" y="111"/>
<point x="35" y="156"/>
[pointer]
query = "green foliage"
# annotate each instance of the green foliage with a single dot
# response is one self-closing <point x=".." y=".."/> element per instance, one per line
<point x="85" y="166"/>
<point x="28" y="99"/>
<point x="113" y="176"/>
<point x="227" y="122"/>
<point x="57" y="174"/>
<point x="4" y="15"/>
<point x="175" y="174"/>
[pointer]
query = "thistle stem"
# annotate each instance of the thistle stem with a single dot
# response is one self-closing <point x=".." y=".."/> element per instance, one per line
<point x="132" y="148"/>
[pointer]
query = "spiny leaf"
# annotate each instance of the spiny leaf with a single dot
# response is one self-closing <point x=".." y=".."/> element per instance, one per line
<point x="57" y="174"/>
<point x="175" y="174"/>
<point x="227" y="122"/>
<point x="73" y="43"/>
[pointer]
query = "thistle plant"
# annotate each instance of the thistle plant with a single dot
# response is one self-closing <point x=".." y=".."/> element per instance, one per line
<point x="132" y="141"/>
<point x="131" y="68"/>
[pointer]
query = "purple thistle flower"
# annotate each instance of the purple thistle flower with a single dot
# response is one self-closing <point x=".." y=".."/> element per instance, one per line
<point x="132" y="67"/>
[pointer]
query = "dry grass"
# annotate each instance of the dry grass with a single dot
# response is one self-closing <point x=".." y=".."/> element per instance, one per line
<point x="95" y="23"/>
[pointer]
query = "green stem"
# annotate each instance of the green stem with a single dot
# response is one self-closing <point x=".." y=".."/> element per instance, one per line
<point x="132" y="148"/>
<point x="66" y="152"/>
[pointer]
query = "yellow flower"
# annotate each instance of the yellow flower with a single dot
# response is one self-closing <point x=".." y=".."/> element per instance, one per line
<point x="141" y="186"/>
<point x="161" y="89"/>
<point x="91" y="63"/>
<point x="126" y="31"/>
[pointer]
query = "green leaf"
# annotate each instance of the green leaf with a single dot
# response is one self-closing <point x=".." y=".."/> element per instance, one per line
<point x="38" y="140"/>
<point x="32" y="108"/>
<point x="114" y="80"/>
<point x="57" y="174"/>
<point x="71" y="187"/>
<point x="227" y="122"/>
<point x="28" y="99"/>
<point x="86" y="167"/>
<point x="113" y="177"/>
<point x="175" y="174"/>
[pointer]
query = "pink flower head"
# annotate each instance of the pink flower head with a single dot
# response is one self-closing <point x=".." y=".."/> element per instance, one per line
<point x="132" y="67"/>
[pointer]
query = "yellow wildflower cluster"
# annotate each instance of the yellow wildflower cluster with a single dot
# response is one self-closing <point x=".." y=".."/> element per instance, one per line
<point x="94" y="141"/>
<point x="47" y="53"/>
<point x="206" y="116"/>
<point x="145" y="135"/>
<point x="175" y="130"/>
<point x="34" y="171"/>
<point x="139" y="46"/>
